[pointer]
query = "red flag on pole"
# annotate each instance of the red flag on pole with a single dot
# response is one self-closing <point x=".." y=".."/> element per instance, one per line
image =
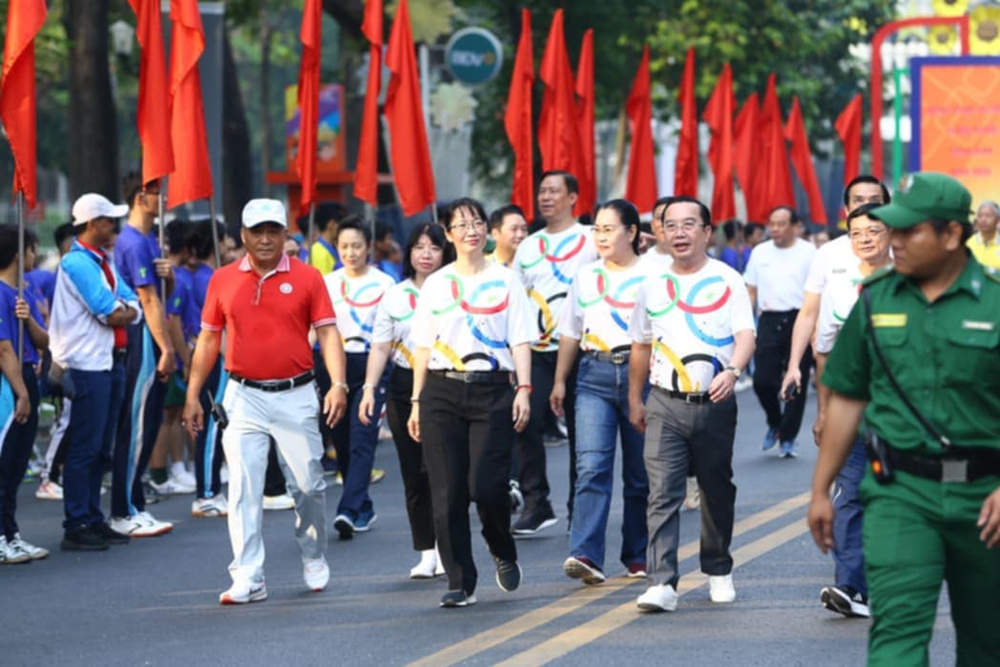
<point x="746" y="143"/>
<point x="17" y="92"/>
<point x="192" y="175"/>
<point x="795" y="131"/>
<point x="686" y="169"/>
<point x="311" y="36"/>
<point x="776" y="179"/>
<point x="517" y="121"/>
<point x="366" y="168"/>
<point x="153" y="113"/>
<point x="719" y="117"/>
<point x="411" y="156"/>
<point x="640" y="188"/>
<point x="848" y="128"/>
<point x="586" y="172"/>
<point x="558" y="135"/>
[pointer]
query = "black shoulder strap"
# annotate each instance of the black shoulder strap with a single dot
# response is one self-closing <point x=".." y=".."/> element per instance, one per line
<point x="867" y="301"/>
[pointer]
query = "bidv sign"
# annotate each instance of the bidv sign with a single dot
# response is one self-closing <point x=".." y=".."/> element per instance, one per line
<point x="473" y="56"/>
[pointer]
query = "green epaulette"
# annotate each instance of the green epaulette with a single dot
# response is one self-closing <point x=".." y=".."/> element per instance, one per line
<point x="992" y="273"/>
<point x="878" y="275"/>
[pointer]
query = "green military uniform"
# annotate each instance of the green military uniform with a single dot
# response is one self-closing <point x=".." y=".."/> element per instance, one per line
<point x="946" y="357"/>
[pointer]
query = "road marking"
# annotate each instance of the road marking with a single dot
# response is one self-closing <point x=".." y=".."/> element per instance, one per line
<point x="581" y="597"/>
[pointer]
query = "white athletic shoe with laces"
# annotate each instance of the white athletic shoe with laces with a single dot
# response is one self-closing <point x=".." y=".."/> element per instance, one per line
<point x="316" y="573"/>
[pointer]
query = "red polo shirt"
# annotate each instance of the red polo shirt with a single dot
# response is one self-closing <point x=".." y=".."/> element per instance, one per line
<point x="267" y="318"/>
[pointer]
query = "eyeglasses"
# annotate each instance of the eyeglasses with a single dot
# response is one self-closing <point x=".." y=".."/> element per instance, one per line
<point x="688" y="225"/>
<point x="464" y="228"/>
<point x="607" y="231"/>
<point x="871" y="233"/>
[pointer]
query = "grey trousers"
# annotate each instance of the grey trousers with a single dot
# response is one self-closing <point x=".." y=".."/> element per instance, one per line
<point x="678" y="433"/>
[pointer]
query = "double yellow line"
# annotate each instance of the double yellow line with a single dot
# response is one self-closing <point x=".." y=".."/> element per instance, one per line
<point x="583" y="634"/>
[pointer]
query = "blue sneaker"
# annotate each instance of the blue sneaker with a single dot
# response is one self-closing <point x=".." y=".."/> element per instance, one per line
<point x="788" y="449"/>
<point x="364" y="521"/>
<point x="771" y="439"/>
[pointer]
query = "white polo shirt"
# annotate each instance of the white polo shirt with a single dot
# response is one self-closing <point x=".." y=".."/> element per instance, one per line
<point x="833" y="258"/>
<point x="779" y="274"/>
<point x="600" y="304"/>
<point x="394" y="321"/>
<point x="838" y="298"/>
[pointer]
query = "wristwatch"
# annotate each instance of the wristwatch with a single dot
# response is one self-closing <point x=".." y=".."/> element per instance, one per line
<point x="736" y="372"/>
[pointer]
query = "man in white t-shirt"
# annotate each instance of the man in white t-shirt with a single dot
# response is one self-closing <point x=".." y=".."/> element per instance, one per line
<point x="692" y="335"/>
<point x="775" y="276"/>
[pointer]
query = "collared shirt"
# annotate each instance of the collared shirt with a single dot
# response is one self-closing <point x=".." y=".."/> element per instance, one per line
<point x="779" y="274"/>
<point x="324" y="257"/>
<point x="394" y="321"/>
<point x="355" y="301"/>
<point x="690" y="320"/>
<point x="836" y="302"/>
<point x="988" y="254"/>
<point x="8" y="321"/>
<point x="546" y="263"/>
<point x="945" y="355"/>
<point x="134" y="255"/>
<point x="267" y="318"/>
<point x="79" y="335"/>
<point x="470" y="323"/>
<point x="831" y="259"/>
<point x="600" y="304"/>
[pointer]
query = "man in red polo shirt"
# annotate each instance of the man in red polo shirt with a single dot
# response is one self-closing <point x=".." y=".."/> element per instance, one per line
<point x="266" y="303"/>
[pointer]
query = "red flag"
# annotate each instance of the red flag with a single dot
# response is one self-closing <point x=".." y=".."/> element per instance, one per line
<point x="17" y="92"/>
<point x="686" y="169"/>
<point x="848" y="128"/>
<point x="558" y="135"/>
<point x="776" y="179"/>
<point x="517" y="121"/>
<point x="153" y="113"/>
<point x="192" y="175"/>
<point x="795" y="132"/>
<point x="411" y="156"/>
<point x="586" y="172"/>
<point x="746" y="143"/>
<point x="719" y="117"/>
<point x="640" y="188"/>
<point x="311" y="36"/>
<point x="366" y="168"/>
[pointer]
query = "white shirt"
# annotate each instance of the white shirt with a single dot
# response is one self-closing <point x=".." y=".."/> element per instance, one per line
<point x="690" y="320"/>
<point x="653" y="259"/>
<point x="779" y="274"/>
<point x="394" y="319"/>
<point x="835" y="257"/>
<point x="599" y="306"/>
<point x="546" y="264"/>
<point x="836" y="302"/>
<point x="355" y="301"/>
<point x="470" y="323"/>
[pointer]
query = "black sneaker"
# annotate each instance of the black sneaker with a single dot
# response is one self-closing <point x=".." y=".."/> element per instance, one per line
<point x="845" y="600"/>
<point x="110" y="535"/>
<point x="344" y="526"/>
<point x="508" y="574"/>
<point x="533" y="521"/>
<point x="83" y="539"/>
<point x="457" y="599"/>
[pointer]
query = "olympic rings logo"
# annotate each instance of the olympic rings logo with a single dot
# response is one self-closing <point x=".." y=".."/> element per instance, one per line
<point x="459" y="362"/>
<point x="690" y="310"/>
<point x="615" y="300"/>
<point x="411" y="304"/>
<point x="479" y="295"/>
<point x="555" y="258"/>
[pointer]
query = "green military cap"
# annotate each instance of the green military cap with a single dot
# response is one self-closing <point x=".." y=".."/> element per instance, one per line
<point x="926" y="195"/>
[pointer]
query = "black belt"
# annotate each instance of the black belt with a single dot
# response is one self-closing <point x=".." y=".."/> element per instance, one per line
<point x="692" y="398"/>
<point x="476" y="377"/>
<point x="946" y="468"/>
<point x="274" y="385"/>
<point x="617" y="358"/>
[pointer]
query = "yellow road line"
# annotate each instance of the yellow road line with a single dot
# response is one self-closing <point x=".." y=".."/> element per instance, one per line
<point x="581" y="597"/>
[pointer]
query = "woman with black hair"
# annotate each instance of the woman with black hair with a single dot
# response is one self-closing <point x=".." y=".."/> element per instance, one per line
<point x="425" y="253"/>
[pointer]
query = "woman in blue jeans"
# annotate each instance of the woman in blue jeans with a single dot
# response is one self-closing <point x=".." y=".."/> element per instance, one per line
<point x="595" y="323"/>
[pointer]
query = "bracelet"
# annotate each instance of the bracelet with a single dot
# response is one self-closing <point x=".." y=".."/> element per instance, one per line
<point x="368" y="386"/>
<point x="340" y="385"/>
<point x="523" y="386"/>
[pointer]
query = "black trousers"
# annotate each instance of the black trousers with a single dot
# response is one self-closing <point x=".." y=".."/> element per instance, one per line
<point x="468" y="433"/>
<point x="416" y="486"/>
<point x="774" y="346"/>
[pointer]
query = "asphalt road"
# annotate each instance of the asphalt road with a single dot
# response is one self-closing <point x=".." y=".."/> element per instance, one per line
<point x="154" y="601"/>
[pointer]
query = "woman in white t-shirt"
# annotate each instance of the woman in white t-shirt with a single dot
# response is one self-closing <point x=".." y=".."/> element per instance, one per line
<point x="595" y="322"/>
<point x="356" y="290"/>
<point x="471" y="331"/>
<point x="424" y="254"/>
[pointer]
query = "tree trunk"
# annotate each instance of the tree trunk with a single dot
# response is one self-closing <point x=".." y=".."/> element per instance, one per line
<point x="93" y="124"/>
<point x="237" y="172"/>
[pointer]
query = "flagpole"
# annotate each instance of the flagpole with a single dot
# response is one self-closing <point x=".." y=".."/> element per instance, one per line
<point x="310" y="227"/>
<point x="160" y="212"/>
<point x="20" y="274"/>
<point x="215" y="233"/>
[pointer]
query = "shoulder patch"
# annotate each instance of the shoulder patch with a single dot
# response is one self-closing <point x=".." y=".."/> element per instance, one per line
<point x="881" y="273"/>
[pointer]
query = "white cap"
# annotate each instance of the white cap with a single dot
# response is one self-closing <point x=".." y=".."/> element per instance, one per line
<point x="92" y="206"/>
<point x="264" y="210"/>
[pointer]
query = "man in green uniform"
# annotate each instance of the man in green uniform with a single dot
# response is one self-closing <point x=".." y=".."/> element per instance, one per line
<point x="936" y="317"/>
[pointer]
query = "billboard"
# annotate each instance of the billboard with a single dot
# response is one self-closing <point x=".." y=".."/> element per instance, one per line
<point x="331" y="157"/>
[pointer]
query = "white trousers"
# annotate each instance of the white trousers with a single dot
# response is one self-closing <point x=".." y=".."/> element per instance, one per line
<point x="291" y="418"/>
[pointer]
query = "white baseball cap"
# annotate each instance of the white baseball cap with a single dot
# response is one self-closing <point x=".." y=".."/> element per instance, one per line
<point x="258" y="211"/>
<point x="92" y="206"/>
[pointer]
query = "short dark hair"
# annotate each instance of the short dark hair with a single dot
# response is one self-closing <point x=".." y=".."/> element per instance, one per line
<point x="664" y="202"/>
<point x="703" y="212"/>
<point x="382" y="230"/>
<point x="572" y="185"/>
<point x="176" y="232"/>
<point x="63" y="233"/>
<point x="627" y="213"/>
<point x="435" y="233"/>
<point x="497" y="216"/>
<point x="866" y="178"/>
<point x="326" y="212"/>
<point x="132" y="185"/>
<point x="860" y="211"/>
<point x="731" y="228"/>
<point x="8" y="243"/>
<point x="198" y="239"/>
<point x="792" y="213"/>
<point x="467" y="203"/>
<point x="357" y="223"/>
<point x="752" y="228"/>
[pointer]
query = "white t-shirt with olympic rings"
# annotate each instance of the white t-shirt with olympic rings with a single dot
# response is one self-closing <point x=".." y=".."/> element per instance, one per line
<point x="546" y="264"/>
<point x="690" y="321"/>
<point x="469" y="323"/>
<point x="599" y="306"/>
<point x="394" y="319"/>
<point x="355" y="301"/>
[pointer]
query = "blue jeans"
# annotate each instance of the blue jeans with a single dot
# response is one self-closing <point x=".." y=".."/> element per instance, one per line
<point x="92" y="424"/>
<point x="848" y="555"/>
<point x="601" y="416"/>
<point x="355" y="442"/>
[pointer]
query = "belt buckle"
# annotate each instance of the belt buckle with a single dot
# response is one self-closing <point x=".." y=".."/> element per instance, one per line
<point x="618" y="358"/>
<point x="468" y="377"/>
<point x="691" y="399"/>
<point x="954" y="470"/>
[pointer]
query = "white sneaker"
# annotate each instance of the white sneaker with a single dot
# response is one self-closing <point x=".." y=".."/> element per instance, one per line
<point x="154" y="525"/>
<point x="661" y="597"/>
<point x="316" y="573"/>
<point x="140" y="525"/>
<point x="427" y="567"/>
<point x="243" y="593"/>
<point x="720" y="588"/>
<point x="35" y="552"/>
<point x="181" y="474"/>
<point x="11" y="552"/>
<point x="210" y="507"/>
<point x="692" y="500"/>
<point x="282" y="502"/>
<point x="173" y="487"/>
<point x="49" y="490"/>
